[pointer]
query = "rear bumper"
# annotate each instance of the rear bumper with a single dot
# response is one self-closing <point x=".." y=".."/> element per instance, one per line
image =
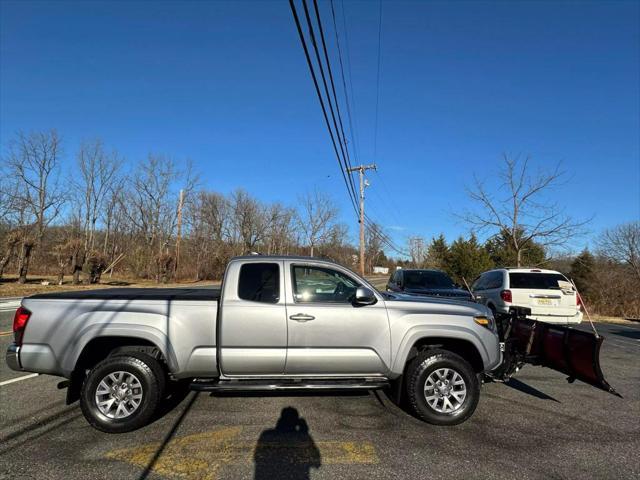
<point x="557" y="319"/>
<point x="13" y="357"/>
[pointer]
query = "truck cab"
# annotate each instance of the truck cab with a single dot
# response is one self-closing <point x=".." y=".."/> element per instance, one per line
<point x="311" y="322"/>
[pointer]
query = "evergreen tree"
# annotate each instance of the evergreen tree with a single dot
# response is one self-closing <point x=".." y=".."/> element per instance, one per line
<point x="582" y="272"/>
<point x="467" y="259"/>
<point x="503" y="254"/>
<point x="438" y="252"/>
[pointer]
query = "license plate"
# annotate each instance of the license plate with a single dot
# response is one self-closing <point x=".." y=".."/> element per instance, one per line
<point x="545" y="301"/>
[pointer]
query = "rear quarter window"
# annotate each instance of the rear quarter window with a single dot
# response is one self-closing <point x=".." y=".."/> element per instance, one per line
<point x="479" y="282"/>
<point x="492" y="280"/>
<point x="259" y="282"/>
<point x="536" y="281"/>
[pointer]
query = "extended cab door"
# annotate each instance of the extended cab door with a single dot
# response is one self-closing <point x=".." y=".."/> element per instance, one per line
<point x="327" y="334"/>
<point x="253" y="328"/>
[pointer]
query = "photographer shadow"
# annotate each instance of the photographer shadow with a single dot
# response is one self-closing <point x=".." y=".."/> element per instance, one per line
<point x="286" y="451"/>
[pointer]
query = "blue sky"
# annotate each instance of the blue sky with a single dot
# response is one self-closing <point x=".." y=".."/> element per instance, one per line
<point x="225" y="84"/>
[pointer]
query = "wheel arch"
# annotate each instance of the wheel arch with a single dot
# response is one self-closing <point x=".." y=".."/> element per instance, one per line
<point x="461" y="347"/>
<point x="97" y="342"/>
<point x="101" y="347"/>
<point x="462" y="341"/>
<point x="98" y="348"/>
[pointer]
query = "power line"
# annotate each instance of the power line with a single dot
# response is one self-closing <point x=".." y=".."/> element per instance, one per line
<point x="326" y="89"/>
<point x="386" y="241"/>
<point x="333" y="86"/>
<point x="344" y="84"/>
<point x="337" y="134"/>
<point x="389" y="212"/>
<point x="356" y="137"/>
<point x="320" y="99"/>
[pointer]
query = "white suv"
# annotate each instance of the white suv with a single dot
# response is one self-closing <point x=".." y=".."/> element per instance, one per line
<point x="549" y="294"/>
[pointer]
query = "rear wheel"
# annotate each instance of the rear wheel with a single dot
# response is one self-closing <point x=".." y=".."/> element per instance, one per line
<point x="122" y="392"/>
<point x="442" y="387"/>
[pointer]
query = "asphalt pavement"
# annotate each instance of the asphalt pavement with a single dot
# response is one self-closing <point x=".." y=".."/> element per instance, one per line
<point x="539" y="426"/>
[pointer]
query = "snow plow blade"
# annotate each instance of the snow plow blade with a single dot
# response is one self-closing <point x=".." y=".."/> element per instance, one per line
<point x="566" y="350"/>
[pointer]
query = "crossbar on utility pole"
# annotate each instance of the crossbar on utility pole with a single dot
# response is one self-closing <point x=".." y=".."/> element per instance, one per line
<point x="361" y="169"/>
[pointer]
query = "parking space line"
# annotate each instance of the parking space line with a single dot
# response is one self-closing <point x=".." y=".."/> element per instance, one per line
<point x="203" y="455"/>
<point x="13" y="380"/>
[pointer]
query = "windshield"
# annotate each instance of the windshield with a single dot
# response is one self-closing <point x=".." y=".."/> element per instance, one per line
<point x="427" y="279"/>
<point x="538" y="281"/>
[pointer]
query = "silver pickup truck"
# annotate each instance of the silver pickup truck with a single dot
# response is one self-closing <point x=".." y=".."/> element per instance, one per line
<point x="275" y="323"/>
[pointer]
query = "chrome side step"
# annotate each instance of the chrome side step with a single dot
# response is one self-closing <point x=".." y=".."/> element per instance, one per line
<point x="207" y="385"/>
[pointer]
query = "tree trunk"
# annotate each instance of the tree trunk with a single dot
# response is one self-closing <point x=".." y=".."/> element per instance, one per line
<point x="311" y="251"/>
<point x="519" y="260"/>
<point x="23" y="264"/>
<point x="5" y="260"/>
<point x="76" y="262"/>
<point x="76" y="274"/>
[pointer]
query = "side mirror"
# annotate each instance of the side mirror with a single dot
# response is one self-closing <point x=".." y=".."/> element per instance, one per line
<point x="364" y="296"/>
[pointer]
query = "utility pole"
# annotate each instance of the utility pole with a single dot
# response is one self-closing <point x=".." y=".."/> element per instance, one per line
<point x="179" y="230"/>
<point x="361" y="169"/>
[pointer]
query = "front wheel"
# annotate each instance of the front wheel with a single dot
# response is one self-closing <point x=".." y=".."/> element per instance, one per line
<point x="442" y="387"/>
<point x="122" y="392"/>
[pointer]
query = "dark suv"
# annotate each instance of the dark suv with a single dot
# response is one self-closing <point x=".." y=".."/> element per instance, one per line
<point x="433" y="283"/>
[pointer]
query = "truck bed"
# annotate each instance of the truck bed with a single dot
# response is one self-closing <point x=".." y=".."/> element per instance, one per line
<point x="196" y="294"/>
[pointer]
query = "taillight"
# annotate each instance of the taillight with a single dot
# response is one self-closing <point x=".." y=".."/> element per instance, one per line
<point x="20" y="320"/>
<point x="578" y="301"/>
<point x="505" y="295"/>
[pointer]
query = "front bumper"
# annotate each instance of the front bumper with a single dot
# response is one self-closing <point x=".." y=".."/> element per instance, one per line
<point x="13" y="357"/>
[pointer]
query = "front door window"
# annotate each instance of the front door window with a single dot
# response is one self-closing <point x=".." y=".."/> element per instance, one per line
<point x="322" y="285"/>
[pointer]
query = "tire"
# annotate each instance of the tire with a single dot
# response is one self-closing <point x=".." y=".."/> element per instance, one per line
<point x="426" y="397"/>
<point x="135" y="380"/>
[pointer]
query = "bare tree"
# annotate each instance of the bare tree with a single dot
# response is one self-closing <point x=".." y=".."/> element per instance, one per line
<point x="316" y="216"/>
<point x="7" y="197"/>
<point x="113" y="215"/>
<point x="622" y="244"/>
<point x="207" y="222"/>
<point x="12" y="241"/>
<point x="518" y="210"/>
<point x="98" y="174"/>
<point x="280" y="227"/>
<point x="148" y="203"/>
<point x="151" y="208"/>
<point x="248" y="220"/>
<point x="374" y="234"/>
<point x="32" y="167"/>
<point x="336" y="246"/>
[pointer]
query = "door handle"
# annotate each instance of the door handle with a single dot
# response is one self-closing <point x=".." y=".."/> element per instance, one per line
<point x="301" y="317"/>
